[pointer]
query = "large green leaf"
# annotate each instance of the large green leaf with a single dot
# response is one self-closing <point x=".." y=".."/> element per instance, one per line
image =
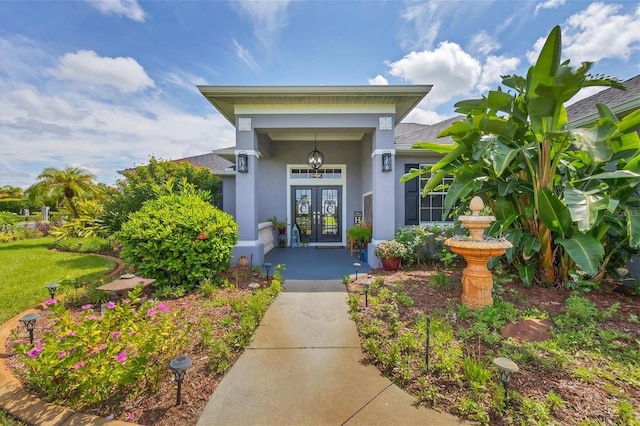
<point x="585" y="205"/>
<point x="460" y="188"/>
<point x="530" y="246"/>
<point x="514" y="236"/>
<point x="633" y="226"/>
<point x="585" y="250"/>
<point x="434" y="146"/>
<point x="595" y="140"/>
<point x="500" y="101"/>
<point x="527" y="273"/>
<point x="553" y="213"/>
<point x="502" y="157"/>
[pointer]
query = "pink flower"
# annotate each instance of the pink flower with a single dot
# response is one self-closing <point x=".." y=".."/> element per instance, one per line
<point x="72" y="351"/>
<point x="33" y="353"/>
<point x="130" y="417"/>
<point x="111" y="305"/>
<point x="78" y="365"/>
<point x="91" y="317"/>
<point x="151" y="312"/>
<point x="62" y="354"/>
<point x="50" y="302"/>
<point x="115" y="335"/>
<point x="87" y="306"/>
<point x="72" y="333"/>
<point x="122" y="357"/>
<point x="162" y="307"/>
<point x="15" y="342"/>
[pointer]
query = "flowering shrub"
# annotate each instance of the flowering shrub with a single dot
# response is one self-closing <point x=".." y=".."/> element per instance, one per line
<point x="101" y="357"/>
<point x="178" y="239"/>
<point x="390" y="249"/>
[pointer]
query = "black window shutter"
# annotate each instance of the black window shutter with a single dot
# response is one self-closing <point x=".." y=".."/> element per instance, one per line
<point x="411" y="198"/>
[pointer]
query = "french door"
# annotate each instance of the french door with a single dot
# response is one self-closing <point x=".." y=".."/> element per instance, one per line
<point x="317" y="211"/>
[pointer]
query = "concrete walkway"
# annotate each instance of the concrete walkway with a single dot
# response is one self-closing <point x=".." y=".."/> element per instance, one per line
<point x="305" y="367"/>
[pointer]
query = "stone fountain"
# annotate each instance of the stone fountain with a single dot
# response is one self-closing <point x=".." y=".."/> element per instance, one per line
<point x="477" y="280"/>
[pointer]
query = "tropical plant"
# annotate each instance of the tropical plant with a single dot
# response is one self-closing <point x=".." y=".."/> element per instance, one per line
<point x="565" y="197"/>
<point x="145" y="183"/>
<point x="81" y="223"/>
<point x="179" y="239"/>
<point x="360" y="233"/>
<point x="9" y="191"/>
<point x="390" y="249"/>
<point x="67" y="184"/>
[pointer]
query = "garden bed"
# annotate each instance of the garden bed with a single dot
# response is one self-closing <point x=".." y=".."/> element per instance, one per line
<point x="211" y="314"/>
<point x="589" y="371"/>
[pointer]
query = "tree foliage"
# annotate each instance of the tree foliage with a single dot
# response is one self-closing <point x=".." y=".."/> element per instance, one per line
<point x="65" y="185"/>
<point x="145" y="183"/>
<point x="565" y="197"/>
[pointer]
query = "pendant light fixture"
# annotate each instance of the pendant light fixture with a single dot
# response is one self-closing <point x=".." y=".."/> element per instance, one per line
<point x="315" y="159"/>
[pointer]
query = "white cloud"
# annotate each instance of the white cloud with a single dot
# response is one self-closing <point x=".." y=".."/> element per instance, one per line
<point x="424" y="116"/>
<point x="600" y="32"/>
<point x="184" y="79"/>
<point x="549" y="4"/>
<point x="450" y="69"/>
<point x="268" y="18"/>
<point x="245" y="56"/>
<point x="378" y="80"/>
<point x="495" y="67"/>
<point x="127" y="8"/>
<point x="85" y="66"/>
<point x="424" y="25"/>
<point x="42" y="125"/>
<point x="483" y="43"/>
<point x="595" y="33"/>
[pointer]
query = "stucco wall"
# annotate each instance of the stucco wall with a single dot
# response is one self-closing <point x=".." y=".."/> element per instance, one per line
<point x="229" y="195"/>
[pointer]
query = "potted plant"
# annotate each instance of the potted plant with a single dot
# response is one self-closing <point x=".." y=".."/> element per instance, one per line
<point x="280" y="225"/>
<point x="360" y="234"/>
<point x="390" y="253"/>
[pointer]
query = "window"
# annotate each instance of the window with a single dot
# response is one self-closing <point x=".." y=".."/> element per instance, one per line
<point x="324" y="173"/>
<point x="428" y="209"/>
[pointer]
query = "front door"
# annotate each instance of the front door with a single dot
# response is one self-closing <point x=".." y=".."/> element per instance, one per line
<point x="317" y="212"/>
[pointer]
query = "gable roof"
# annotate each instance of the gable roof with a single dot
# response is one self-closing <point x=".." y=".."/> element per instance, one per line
<point x="621" y="102"/>
<point x="409" y="133"/>
<point x="226" y="99"/>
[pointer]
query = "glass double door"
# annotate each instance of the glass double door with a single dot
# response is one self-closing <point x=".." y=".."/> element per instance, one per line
<point x="317" y="211"/>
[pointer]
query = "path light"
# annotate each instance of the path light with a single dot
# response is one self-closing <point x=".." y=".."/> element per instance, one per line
<point x="52" y="287"/>
<point x="356" y="266"/>
<point x="267" y="266"/>
<point x="366" y="285"/>
<point x="254" y="287"/>
<point x="29" y="322"/>
<point x="426" y="357"/>
<point x="506" y="367"/>
<point x="179" y="366"/>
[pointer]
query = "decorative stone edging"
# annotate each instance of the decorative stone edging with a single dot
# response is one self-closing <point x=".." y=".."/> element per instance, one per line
<point x="19" y="403"/>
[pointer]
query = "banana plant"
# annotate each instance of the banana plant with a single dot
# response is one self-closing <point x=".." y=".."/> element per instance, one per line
<point x="562" y="196"/>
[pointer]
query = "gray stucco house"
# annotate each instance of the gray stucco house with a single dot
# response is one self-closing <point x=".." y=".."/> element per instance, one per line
<point x="281" y="131"/>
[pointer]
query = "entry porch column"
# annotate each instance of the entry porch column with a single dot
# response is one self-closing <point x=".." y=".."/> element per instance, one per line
<point x="384" y="188"/>
<point x="247" y="194"/>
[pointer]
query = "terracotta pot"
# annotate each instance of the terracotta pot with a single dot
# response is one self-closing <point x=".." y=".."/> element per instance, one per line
<point x="390" y="264"/>
<point x="243" y="262"/>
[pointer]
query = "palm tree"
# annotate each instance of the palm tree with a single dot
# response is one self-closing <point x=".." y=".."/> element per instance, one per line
<point x="70" y="182"/>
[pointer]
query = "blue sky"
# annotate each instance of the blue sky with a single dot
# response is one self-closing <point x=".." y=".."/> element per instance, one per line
<point x="103" y="84"/>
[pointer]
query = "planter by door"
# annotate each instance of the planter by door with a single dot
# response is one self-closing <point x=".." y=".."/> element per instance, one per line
<point x="390" y="264"/>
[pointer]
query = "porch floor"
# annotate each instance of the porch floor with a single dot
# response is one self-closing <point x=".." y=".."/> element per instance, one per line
<point x="311" y="263"/>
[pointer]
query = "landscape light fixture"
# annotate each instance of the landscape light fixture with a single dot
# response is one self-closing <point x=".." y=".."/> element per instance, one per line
<point x="52" y="287"/>
<point x="506" y="368"/>
<point x="29" y="322"/>
<point x="427" y="345"/>
<point x="267" y="266"/>
<point x="254" y="287"/>
<point x="366" y="285"/>
<point x="356" y="266"/>
<point x="179" y="366"/>
<point x="386" y="162"/>
<point x="243" y="163"/>
<point x="315" y="159"/>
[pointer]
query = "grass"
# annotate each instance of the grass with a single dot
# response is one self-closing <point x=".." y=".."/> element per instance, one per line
<point x="26" y="266"/>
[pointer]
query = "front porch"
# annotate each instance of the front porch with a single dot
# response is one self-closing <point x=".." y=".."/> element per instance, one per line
<point x="315" y="263"/>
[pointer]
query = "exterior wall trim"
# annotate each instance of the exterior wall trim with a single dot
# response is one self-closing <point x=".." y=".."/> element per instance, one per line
<point x="251" y="152"/>
<point x="382" y="151"/>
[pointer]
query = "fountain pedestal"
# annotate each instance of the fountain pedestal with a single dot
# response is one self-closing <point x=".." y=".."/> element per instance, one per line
<point x="477" y="280"/>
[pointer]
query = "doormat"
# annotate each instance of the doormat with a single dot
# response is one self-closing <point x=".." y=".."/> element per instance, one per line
<point x="329" y="247"/>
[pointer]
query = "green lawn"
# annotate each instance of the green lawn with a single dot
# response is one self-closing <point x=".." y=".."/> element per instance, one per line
<point x="26" y="266"/>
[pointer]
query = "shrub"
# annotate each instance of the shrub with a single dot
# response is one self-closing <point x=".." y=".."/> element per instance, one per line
<point x="13" y="205"/>
<point x="96" y="358"/>
<point x="390" y="249"/>
<point x="178" y="239"/>
<point x="84" y="245"/>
